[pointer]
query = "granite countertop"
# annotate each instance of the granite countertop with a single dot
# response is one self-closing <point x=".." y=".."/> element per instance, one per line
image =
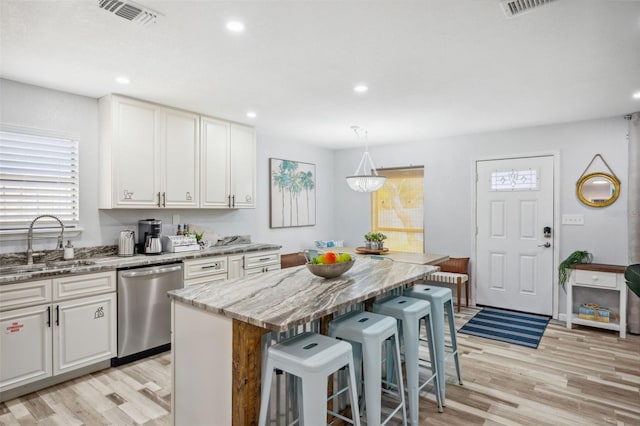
<point x="279" y="300"/>
<point x="111" y="263"/>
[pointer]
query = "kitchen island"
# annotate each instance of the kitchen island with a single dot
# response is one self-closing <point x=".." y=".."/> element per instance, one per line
<point x="218" y="329"/>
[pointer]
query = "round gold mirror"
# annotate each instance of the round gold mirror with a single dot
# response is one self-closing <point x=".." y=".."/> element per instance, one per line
<point x="598" y="189"/>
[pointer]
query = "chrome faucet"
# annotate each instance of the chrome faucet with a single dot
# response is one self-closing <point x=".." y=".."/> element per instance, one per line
<point x="30" y="237"/>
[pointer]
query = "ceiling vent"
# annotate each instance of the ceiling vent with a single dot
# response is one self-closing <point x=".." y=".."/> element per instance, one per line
<point x="513" y="8"/>
<point x="130" y="11"/>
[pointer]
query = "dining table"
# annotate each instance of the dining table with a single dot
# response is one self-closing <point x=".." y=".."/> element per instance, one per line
<point x="396" y="255"/>
<point x="221" y="329"/>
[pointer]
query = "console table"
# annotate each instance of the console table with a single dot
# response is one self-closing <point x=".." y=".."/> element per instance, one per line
<point x="604" y="277"/>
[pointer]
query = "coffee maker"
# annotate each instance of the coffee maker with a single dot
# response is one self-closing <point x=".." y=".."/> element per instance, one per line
<point x="150" y="236"/>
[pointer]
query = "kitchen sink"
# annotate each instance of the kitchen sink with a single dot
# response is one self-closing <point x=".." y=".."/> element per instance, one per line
<point x="16" y="269"/>
<point x="41" y="267"/>
<point x="70" y="263"/>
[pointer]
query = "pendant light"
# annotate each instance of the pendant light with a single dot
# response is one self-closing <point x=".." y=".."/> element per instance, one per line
<point x="363" y="182"/>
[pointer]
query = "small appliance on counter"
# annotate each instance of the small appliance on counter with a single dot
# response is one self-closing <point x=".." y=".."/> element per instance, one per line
<point x="126" y="243"/>
<point x="179" y="243"/>
<point x="150" y="236"/>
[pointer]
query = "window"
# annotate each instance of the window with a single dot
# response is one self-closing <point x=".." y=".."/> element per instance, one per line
<point x="38" y="175"/>
<point x="398" y="209"/>
<point x="514" y="180"/>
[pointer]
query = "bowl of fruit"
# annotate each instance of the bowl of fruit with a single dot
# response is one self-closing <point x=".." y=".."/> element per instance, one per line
<point x="330" y="264"/>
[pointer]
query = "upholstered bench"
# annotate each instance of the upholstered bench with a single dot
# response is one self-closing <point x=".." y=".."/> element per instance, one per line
<point x="455" y="270"/>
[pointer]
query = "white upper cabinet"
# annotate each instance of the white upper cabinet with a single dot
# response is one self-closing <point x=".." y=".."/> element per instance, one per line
<point x="181" y="177"/>
<point x="228" y="178"/>
<point x="152" y="156"/>
<point x="129" y="153"/>
<point x="215" y="180"/>
<point x="149" y="155"/>
<point x="243" y="166"/>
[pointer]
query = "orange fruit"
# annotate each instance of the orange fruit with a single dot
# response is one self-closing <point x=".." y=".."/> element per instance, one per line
<point x="330" y="257"/>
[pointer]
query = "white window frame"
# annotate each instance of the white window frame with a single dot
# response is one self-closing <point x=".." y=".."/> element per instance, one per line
<point x="42" y="227"/>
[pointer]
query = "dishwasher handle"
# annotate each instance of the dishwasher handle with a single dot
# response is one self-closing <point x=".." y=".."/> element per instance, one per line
<point x="154" y="271"/>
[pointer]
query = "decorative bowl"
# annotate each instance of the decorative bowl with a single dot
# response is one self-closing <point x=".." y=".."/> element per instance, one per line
<point x="330" y="270"/>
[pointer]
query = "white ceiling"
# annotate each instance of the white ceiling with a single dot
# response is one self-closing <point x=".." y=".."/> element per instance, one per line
<point x="434" y="67"/>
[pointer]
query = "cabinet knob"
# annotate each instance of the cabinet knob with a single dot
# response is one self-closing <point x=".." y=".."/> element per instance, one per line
<point x="595" y="278"/>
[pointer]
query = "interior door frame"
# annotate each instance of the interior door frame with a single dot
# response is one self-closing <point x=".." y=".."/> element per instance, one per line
<point x="556" y="216"/>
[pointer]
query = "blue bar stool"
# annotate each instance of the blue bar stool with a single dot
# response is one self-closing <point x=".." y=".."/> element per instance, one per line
<point x="312" y="358"/>
<point x="440" y="299"/>
<point x="367" y="331"/>
<point x="410" y="312"/>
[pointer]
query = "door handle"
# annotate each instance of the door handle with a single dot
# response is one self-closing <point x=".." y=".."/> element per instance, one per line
<point x="229" y="197"/>
<point x="58" y="315"/>
<point x="233" y="201"/>
<point x="164" y="199"/>
<point x="545" y="245"/>
<point x="49" y="316"/>
<point x="158" y="199"/>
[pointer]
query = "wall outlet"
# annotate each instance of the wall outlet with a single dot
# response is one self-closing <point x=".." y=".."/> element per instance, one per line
<point x="176" y="219"/>
<point x="573" y="219"/>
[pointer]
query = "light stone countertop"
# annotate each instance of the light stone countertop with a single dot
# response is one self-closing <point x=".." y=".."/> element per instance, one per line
<point x="110" y="263"/>
<point x="279" y="300"/>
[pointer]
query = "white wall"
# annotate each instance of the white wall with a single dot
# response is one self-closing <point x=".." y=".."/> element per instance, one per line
<point x="449" y="185"/>
<point x="342" y="213"/>
<point x="37" y="107"/>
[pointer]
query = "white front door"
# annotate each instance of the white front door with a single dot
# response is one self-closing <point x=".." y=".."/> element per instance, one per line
<point x="514" y="258"/>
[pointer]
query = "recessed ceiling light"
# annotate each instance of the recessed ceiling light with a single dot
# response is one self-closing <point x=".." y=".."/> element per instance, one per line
<point x="235" y="26"/>
<point x="122" y="80"/>
<point x="251" y="114"/>
<point x="360" y="88"/>
<point x="636" y="95"/>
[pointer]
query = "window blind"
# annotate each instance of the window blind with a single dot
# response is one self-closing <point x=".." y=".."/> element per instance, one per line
<point x="38" y="175"/>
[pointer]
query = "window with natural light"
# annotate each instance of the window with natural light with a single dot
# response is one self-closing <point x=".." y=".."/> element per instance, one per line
<point x="38" y="175"/>
<point x="398" y="209"/>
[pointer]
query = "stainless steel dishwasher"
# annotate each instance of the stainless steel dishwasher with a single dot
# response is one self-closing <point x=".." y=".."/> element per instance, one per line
<point x="144" y="310"/>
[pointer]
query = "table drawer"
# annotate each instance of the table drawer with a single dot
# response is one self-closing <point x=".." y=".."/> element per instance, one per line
<point x="83" y="285"/>
<point x="24" y="294"/>
<point x="205" y="267"/>
<point x="595" y="279"/>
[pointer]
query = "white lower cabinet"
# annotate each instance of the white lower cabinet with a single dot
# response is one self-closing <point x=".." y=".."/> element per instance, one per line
<point x="221" y="268"/>
<point x="85" y="332"/>
<point x="257" y="263"/>
<point x="41" y="340"/>
<point x="236" y="266"/>
<point x="25" y="346"/>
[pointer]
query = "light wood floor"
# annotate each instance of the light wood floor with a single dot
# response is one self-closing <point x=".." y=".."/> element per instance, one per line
<point x="580" y="377"/>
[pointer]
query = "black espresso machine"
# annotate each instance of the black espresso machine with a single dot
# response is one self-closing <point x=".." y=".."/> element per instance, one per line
<point x="150" y="236"/>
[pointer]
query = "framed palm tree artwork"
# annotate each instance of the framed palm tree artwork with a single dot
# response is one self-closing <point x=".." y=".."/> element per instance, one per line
<point x="292" y="193"/>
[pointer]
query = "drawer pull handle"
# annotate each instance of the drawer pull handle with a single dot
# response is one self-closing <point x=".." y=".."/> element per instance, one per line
<point x="216" y="266"/>
<point x="264" y="259"/>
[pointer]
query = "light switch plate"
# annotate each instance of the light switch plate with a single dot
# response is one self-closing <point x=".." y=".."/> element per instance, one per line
<point x="573" y="219"/>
